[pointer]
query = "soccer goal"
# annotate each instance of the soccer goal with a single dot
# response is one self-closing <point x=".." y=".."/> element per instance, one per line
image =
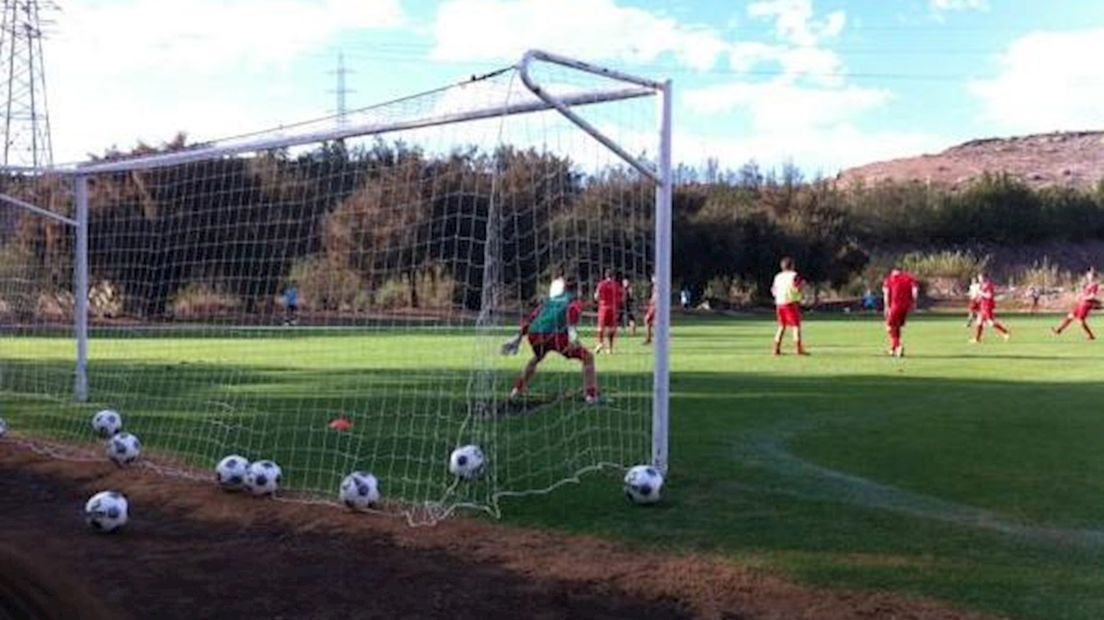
<point x="334" y="295"/>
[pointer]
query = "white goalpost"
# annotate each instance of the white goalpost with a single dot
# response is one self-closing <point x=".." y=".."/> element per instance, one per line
<point x="334" y="296"/>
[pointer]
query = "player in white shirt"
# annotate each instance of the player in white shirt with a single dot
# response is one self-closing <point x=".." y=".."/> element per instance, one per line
<point x="973" y="307"/>
<point x="786" y="290"/>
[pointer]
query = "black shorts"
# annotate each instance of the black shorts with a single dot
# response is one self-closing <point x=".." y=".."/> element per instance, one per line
<point x="627" y="315"/>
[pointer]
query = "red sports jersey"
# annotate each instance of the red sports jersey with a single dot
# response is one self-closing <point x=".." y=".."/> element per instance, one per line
<point x="1091" y="291"/>
<point x="609" y="294"/>
<point x="900" y="285"/>
<point x="988" y="295"/>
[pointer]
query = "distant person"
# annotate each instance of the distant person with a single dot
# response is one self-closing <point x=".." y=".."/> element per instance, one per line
<point x="291" y="304"/>
<point x="608" y="294"/>
<point x="900" y="292"/>
<point x="684" y="298"/>
<point x="1033" y="293"/>
<point x="786" y="290"/>
<point x="973" y="301"/>
<point x="869" y="301"/>
<point x="650" y="313"/>
<point x="1087" y="301"/>
<point x="628" y="315"/>
<point x="987" y="307"/>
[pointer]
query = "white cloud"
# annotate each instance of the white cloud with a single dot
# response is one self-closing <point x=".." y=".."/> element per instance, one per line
<point x="778" y="105"/>
<point x="484" y="30"/>
<point x="134" y="70"/>
<point x="1047" y="81"/>
<point x="959" y="5"/>
<point x="794" y="21"/>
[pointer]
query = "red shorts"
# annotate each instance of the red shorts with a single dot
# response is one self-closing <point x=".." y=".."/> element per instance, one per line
<point x="973" y="307"/>
<point x="789" y="315"/>
<point x="543" y="344"/>
<point x="1081" y="312"/>
<point x="649" y="315"/>
<point x="897" y="316"/>
<point x="986" y="312"/>
<point x="607" y="317"/>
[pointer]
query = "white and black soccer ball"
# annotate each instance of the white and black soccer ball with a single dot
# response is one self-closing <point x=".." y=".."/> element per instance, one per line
<point x="124" y="449"/>
<point x="107" y="511"/>
<point x="263" y="478"/>
<point x="359" y="491"/>
<point x="230" y="473"/>
<point x="107" y="422"/>
<point x="467" y="462"/>
<point x="642" y="484"/>
<point x="3" y="427"/>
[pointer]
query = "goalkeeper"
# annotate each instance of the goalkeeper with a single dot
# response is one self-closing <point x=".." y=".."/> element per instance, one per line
<point x="551" y="327"/>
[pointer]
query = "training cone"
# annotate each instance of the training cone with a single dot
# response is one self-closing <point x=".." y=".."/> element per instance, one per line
<point x="341" y="424"/>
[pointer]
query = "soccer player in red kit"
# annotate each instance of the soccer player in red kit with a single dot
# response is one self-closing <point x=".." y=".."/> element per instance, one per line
<point x="608" y="294"/>
<point x="987" y="306"/>
<point x="1087" y="301"/>
<point x="900" y="292"/>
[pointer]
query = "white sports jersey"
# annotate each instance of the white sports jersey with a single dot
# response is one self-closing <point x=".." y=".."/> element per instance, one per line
<point x="785" y="288"/>
<point x="975" y="290"/>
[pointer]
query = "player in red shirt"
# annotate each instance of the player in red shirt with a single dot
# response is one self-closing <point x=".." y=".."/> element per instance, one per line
<point x="1088" y="301"/>
<point x="900" y="292"/>
<point x="551" y="327"/>
<point x="608" y="294"/>
<point x="987" y="306"/>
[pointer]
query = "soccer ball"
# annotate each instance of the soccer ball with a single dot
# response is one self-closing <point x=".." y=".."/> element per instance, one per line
<point x="467" y="462"/>
<point x="359" y="490"/>
<point x="106" y="511"/>
<point x="107" y="422"/>
<point x="263" y="478"/>
<point x="123" y="449"/>
<point x="642" y="484"/>
<point x="3" y="427"/>
<point x="231" y="472"/>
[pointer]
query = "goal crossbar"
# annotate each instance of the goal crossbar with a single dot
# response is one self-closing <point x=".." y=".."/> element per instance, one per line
<point x="366" y="129"/>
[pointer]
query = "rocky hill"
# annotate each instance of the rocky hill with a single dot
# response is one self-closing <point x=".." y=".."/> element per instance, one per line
<point x="1068" y="159"/>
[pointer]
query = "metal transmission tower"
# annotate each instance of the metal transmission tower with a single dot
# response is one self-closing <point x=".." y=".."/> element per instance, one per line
<point x="342" y="110"/>
<point x="26" y="124"/>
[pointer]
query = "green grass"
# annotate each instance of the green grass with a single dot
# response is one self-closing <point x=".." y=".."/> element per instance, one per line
<point x="968" y="473"/>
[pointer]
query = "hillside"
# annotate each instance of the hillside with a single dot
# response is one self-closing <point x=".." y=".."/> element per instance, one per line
<point x="1068" y="159"/>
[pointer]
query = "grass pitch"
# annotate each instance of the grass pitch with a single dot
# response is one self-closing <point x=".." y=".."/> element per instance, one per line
<point x="970" y="473"/>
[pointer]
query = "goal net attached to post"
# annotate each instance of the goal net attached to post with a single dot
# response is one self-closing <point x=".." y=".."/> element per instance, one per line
<point x="244" y="294"/>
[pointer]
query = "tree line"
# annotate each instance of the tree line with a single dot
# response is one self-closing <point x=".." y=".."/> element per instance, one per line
<point x="390" y="226"/>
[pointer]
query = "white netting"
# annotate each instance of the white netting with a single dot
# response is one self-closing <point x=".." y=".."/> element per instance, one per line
<point x="414" y="253"/>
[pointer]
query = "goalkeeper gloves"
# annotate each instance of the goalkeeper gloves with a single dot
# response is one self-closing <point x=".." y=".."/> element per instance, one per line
<point x="510" y="347"/>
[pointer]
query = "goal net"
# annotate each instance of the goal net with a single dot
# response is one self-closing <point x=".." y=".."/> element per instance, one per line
<point x="245" y="294"/>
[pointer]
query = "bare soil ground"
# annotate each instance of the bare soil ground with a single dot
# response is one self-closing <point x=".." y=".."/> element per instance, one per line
<point x="193" y="551"/>
<point x="1063" y="159"/>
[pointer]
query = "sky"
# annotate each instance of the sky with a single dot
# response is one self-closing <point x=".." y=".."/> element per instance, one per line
<point x="822" y="84"/>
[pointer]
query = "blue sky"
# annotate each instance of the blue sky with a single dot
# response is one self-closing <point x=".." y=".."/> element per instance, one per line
<point x="823" y="83"/>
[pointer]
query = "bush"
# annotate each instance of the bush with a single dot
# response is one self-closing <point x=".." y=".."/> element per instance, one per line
<point x="326" y="285"/>
<point x="1046" y="276"/>
<point x="199" y="299"/>
<point x="434" y="288"/>
<point x="948" y="265"/>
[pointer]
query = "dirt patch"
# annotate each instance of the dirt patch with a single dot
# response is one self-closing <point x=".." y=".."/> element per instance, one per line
<point x="194" y="550"/>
